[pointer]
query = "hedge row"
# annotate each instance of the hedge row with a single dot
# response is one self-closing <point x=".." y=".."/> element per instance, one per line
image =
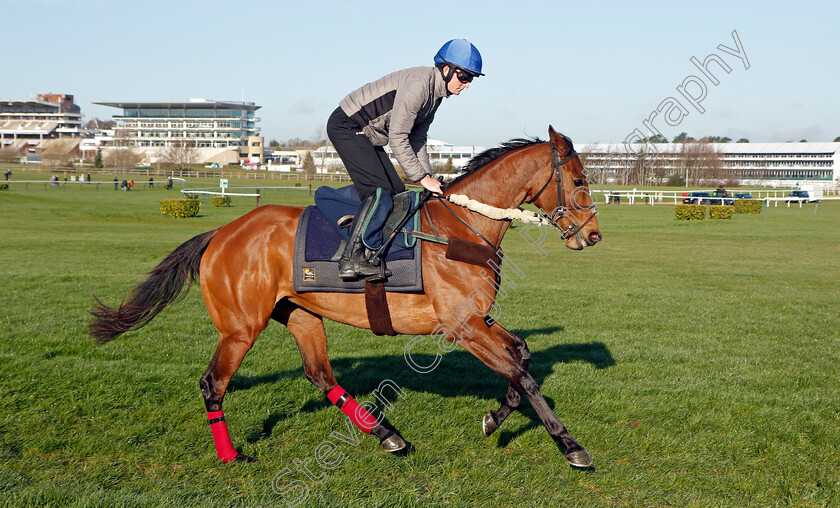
<point x="4" y="186"/>
<point x="748" y="205"/>
<point x="221" y="201"/>
<point x="179" y="208"/>
<point x="721" y="211"/>
<point x="690" y="212"/>
<point x="698" y="212"/>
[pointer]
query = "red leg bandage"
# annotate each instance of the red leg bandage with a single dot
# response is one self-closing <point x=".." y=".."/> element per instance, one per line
<point x="218" y="426"/>
<point x="348" y="405"/>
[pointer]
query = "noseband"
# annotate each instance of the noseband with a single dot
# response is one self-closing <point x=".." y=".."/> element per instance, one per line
<point x="560" y="212"/>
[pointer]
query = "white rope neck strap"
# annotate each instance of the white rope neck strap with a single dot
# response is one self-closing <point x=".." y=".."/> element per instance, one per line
<point x="494" y="213"/>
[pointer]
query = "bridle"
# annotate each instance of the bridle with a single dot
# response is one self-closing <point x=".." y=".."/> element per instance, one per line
<point x="559" y="213"/>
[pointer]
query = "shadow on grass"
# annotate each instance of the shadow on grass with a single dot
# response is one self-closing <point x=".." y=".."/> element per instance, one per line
<point x="458" y="374"/>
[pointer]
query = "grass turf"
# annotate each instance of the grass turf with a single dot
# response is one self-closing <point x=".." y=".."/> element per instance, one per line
<point x="696" y="361"/>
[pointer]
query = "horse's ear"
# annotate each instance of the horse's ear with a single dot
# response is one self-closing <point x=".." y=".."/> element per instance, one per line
<point x="557" y="140"/>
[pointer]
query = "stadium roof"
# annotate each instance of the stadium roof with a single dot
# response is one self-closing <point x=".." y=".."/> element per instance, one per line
<point x="193" y="103"/>
<point x="29" y="102"/>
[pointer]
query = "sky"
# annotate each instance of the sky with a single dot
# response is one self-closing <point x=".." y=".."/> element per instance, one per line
<point x="593" y="70"/>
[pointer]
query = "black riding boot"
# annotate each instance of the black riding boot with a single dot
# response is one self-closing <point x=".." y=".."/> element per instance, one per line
<point x="353" y="264"/>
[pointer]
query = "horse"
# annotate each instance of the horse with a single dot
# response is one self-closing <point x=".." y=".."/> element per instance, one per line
<point x="245" y="272"/>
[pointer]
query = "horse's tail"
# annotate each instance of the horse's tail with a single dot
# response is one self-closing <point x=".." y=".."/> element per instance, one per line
<point x="164" y="285"/>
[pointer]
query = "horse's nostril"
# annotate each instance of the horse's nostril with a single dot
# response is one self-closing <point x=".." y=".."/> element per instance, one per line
<point x="595" y="236"/>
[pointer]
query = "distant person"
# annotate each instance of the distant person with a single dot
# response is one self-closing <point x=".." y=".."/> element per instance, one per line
<point x="8" y="174"/>
<point x="116" y="183"/>
<point x="168" y="183"/>
<point x="124" y="185"/>
<point x="130" y="184"/>
<point x="151" y="183"/>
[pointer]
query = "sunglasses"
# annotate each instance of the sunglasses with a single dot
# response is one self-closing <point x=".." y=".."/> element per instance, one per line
<point x="464" y="76"/>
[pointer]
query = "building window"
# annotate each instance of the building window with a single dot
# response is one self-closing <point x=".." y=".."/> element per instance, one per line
<point x="153" y="112"/>
<point x="199" y="113"/>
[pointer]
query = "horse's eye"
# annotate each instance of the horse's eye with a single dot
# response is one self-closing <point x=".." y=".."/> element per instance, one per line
<point x="578" y="182"/>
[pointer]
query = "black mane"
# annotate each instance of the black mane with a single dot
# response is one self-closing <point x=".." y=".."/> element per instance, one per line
<point x="488" y="156"/>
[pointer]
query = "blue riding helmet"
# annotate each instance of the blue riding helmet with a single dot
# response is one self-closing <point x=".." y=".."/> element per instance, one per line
<point x="460" y="53"/>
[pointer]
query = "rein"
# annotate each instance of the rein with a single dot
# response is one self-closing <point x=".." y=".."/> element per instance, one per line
<point x="496" y="213"/>
<point x="526" y="216"/>
<point x="443" y="200"/>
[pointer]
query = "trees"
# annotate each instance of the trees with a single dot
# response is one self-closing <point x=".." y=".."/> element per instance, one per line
<point x="743" y="140"/>
<point x="313" y="143"/>
<point x="97" y="159"/>
<point x="57" y="155"/>
<point x="676" y="180"/>
<point x="450" y="167"/>
<point x="97" y="124"/>
<point x="122" y="158"/>
<point x="323" y="155"/>
<point x="9" y="155"/>
<point x="308" y="164"/>
<point x="699" y="162"/>
<point x="643" y="170"/>
<point x="656" y="138"/>
<point x="180" y="155"/>
<point x="682" y="137"/>
<point x="443" y="168"/>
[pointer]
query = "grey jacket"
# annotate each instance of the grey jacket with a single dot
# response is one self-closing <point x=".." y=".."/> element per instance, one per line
<point x="397" y="110"/>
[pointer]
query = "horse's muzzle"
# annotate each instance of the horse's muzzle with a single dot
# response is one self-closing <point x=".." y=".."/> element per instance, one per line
<point x="594" y="237"/>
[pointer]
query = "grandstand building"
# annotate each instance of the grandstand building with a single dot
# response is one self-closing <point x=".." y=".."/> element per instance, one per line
<point x="439" y="154"/>
<point x="205" y="123"/>
<point x="773" y="164"/>
<point x="222" y="132"/>
<point x="46" y="117"/>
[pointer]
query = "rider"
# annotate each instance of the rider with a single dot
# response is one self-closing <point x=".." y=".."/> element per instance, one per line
<point x="395" y="110"/>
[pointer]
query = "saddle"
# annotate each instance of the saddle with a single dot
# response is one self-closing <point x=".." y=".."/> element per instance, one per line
<point x="400" y="206"/>
<point x="318" y="243"/>
<point x="322" y="229"/>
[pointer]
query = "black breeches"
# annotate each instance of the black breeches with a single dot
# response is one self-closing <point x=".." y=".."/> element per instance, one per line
<point x="368" y="165"/>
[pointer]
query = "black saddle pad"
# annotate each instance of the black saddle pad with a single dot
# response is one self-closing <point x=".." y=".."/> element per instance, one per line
<point x="316" y="240"/>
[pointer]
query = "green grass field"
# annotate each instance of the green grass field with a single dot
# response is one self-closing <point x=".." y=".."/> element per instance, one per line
<point x="696" y="361"/>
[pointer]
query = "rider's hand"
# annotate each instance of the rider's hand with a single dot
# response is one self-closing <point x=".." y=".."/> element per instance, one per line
<point x="431" y="184"/>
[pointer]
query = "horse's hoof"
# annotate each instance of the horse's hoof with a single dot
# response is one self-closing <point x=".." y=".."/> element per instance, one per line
<point x="488" y="424"/>
<point x="241" y="457"/>
<point x="578" y="458"/>
<point x="392" y="443"/>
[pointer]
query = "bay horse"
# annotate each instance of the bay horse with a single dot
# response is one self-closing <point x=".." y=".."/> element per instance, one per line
<point x="245" y="272"/>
